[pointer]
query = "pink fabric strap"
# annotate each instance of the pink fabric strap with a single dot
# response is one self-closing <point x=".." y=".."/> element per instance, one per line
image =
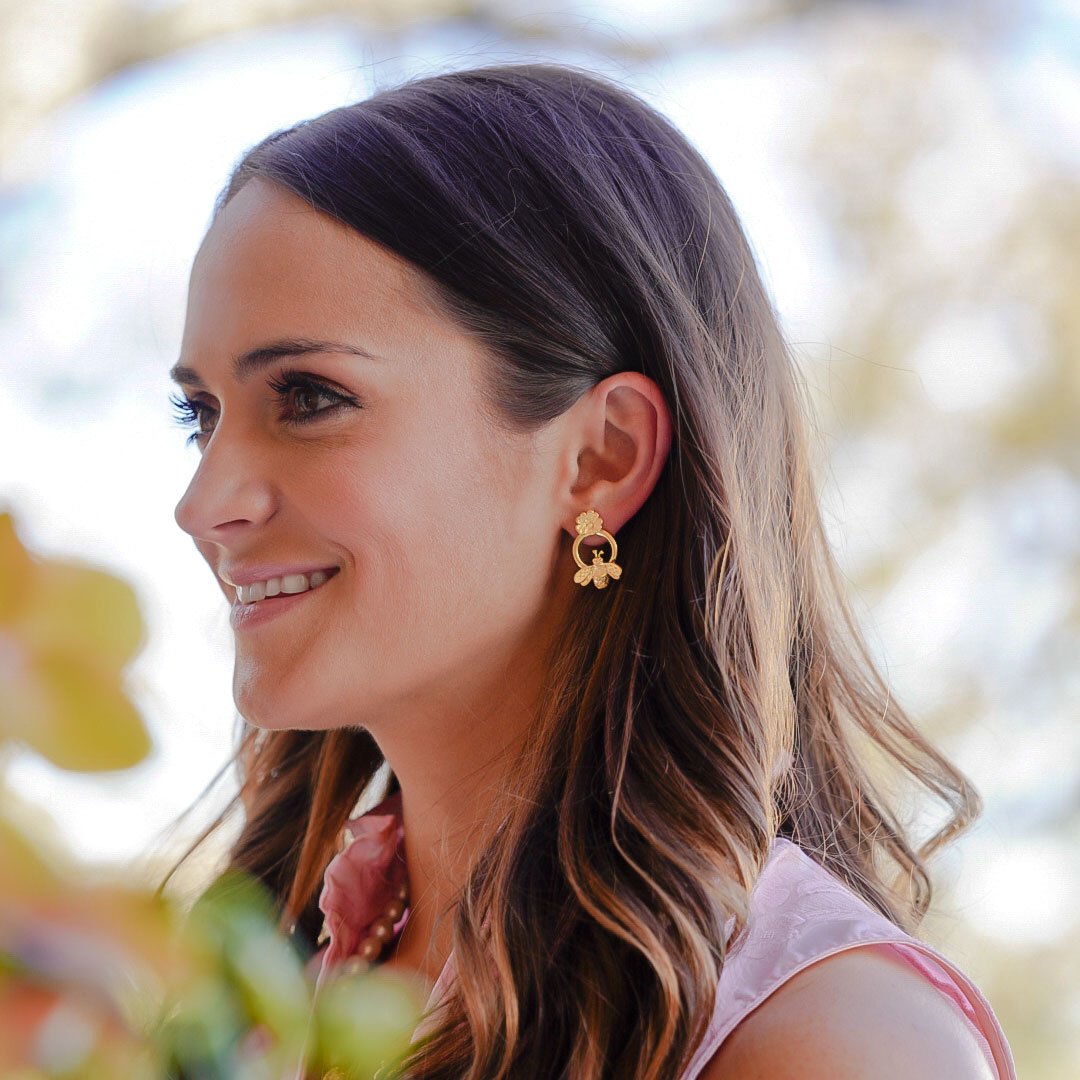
<point x="801" y="913"/>
<point x="927" y="966"/>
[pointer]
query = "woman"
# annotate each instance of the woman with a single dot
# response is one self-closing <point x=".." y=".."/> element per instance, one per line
<point x="504" y="473"/>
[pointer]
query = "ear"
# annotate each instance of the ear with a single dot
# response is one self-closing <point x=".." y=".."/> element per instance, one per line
<point x="619" y="441"/>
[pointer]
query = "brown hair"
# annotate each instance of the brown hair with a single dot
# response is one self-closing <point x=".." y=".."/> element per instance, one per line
<point x="719" y="694"/>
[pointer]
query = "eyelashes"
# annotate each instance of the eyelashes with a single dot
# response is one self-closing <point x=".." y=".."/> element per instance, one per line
<point x="189" y="412"/>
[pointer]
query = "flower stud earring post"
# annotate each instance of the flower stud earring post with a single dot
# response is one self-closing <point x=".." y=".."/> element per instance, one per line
<point x="589" y="523"/>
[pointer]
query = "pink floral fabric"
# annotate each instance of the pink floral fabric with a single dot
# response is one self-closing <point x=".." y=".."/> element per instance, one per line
<point x="360" y="881"/>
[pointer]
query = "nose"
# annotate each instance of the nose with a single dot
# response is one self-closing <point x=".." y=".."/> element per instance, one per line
<point x="230" y="490"/>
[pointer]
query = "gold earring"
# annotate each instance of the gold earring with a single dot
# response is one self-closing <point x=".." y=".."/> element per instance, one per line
<point x="589" y="523"/>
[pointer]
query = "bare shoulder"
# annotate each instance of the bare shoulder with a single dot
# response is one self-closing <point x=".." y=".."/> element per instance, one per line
<point x="857" y="1014"/>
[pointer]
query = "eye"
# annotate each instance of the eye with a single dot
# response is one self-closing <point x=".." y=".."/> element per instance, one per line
<point x="190" y="411"/>
<point x="310" y="389"/>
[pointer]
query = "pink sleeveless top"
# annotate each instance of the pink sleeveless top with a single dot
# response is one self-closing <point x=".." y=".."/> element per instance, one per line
<point x="799" y="914"/>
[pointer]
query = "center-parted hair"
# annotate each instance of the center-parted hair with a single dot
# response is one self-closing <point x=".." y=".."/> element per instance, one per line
<point x="720" y="694"/>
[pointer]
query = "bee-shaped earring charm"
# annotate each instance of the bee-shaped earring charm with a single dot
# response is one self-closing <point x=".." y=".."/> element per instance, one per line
<point x="589" y="523"/>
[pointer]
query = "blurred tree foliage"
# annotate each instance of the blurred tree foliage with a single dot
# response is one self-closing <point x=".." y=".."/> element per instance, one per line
<point x="948" y="222"/>
<point x="53" y="50"/>
<point x="956" y="231"/>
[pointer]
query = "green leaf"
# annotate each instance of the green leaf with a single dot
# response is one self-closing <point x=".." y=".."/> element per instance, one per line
<point x="364" y="1021"/>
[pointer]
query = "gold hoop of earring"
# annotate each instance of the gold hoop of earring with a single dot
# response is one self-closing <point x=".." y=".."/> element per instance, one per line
<point x="589" y="523"/>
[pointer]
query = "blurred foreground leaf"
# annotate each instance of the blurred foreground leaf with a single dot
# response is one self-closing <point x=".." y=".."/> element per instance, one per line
<point x="66" y="633"/>
<point x="363" y="1022"/>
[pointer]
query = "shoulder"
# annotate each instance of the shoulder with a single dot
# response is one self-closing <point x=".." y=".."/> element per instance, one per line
<point x="861" y="1013"/>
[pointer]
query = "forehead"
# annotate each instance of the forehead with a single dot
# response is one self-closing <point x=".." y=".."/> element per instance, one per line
<point x="271" y="266"/>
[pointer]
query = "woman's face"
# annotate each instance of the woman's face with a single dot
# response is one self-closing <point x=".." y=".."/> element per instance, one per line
<point x="445" y="529"/>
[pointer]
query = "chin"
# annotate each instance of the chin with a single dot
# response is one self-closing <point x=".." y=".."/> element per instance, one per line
<point x="276" y="715"/>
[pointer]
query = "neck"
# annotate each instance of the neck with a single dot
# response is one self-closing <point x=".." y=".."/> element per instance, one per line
<point x="442" y="837"/>
<point x="449" y="789"/>
<point x="453" y="766"/>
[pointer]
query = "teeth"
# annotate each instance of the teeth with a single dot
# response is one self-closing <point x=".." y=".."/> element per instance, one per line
<point x="294" y="583"/>
<point x="289" y="584"/>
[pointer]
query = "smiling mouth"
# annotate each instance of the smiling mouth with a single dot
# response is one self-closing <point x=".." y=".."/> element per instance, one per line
<point x="285" y="587"/>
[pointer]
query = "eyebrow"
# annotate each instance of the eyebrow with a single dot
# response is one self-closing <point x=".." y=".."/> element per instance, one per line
<point x="247" y="363"/>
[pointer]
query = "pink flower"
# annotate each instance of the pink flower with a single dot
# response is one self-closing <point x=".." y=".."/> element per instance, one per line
<point x="361" y="880"/>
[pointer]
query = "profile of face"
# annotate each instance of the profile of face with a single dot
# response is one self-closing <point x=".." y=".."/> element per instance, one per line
<point x="371" y="455"/>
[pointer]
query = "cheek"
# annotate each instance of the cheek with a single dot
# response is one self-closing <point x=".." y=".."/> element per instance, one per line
<point x="448" y="537"/>
<point x="416" y="523"/>
<point x="496" y="546"/>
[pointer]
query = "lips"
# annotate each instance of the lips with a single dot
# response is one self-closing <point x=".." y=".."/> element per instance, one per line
<point x="259" y="612"/>
<point x="288" y="585"/>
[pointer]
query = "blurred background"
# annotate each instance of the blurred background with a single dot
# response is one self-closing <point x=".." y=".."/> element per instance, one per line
<point x="909" y="177"/>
